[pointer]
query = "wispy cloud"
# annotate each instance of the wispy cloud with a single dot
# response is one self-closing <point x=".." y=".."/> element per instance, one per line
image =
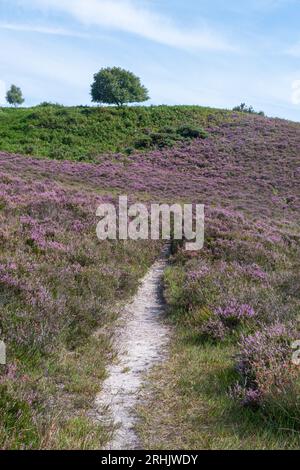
<point x="129" y="16"/>
<point x="41" y="30"/>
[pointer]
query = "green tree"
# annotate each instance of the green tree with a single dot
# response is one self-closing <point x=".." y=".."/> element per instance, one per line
<point x="14" y="96"/>
<point x="117" y="86"/>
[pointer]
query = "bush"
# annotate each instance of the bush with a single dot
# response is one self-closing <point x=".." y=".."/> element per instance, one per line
<point x="168" y="137"/>
<point x="191" y="132"/>
<point x="48" y="104"/>
<point x="226" y="320"/>
<point x="233" y="314"/>
<point x="265" y="366"/>
<point x="163" y="139"/>
<point x="213" y="329"/>
<point x="144" y="142"/>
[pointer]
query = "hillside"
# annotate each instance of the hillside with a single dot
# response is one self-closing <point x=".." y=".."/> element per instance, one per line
<point x="58" y="284"/>
<point x="83" y="133"/>
<point x="242" y="155"/>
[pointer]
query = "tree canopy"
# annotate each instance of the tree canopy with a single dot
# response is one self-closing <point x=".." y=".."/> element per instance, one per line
<point x="117" y="86"/>
<point x="14" y="96"/>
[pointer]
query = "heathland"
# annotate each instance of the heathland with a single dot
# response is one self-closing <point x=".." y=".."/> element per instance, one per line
<point x="229" y="381"/>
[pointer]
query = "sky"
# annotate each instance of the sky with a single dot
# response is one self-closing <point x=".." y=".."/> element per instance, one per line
<point x="215" y="53"/>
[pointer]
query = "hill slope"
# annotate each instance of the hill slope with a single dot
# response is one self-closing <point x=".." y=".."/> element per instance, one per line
<point x="58" y="283"/>
<point x="82" y="133"/>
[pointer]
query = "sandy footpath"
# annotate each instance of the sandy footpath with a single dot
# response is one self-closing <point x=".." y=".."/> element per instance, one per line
<point x="140" y="342"/>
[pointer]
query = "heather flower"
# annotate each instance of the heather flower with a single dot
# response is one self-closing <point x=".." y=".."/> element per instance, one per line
<point x="78" y="226"/>
<point x="246" y="396"/>
<point x="234" y="313"/>
<point x="213" y="329"/>
<point x="10" y="374"/>
<point x="253" y="271"/>
<point x="264" y="363"/>
<point x="198" y="274"/>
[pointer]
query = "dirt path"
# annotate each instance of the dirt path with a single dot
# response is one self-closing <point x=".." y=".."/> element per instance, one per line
<point x="141" y="342"/>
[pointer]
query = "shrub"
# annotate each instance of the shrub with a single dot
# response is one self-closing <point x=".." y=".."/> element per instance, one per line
<point x="213" y="329"/>
<point x="156" y="140"/>
<point x="144" y="142"/>
<point x="264" y="364"/>
<point x="234" y="313"/>
<point x="163" y="139"/>
<point x="191" y="132"/>
<point x="224" y="320"/>
<point x="48" y="104"/>
<point x="168" y="137"/>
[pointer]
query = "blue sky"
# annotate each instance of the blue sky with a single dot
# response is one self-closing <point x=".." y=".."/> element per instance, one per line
<point x="207" y="52"/>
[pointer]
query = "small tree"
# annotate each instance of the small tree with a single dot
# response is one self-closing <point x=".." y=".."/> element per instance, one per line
<point x="14" y="96"/>
<point x="117" y="86"/>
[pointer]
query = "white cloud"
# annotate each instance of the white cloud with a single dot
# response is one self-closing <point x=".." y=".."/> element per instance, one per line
<point x="128" y="16"/>
<point x="2" y="92"/>
<point x="296" y="92"/>
<point x="32" y="61"/>
<point x="41" y="29"/>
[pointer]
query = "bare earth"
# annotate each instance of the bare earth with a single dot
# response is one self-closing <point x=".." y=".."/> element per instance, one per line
<point x="141" y="343"/>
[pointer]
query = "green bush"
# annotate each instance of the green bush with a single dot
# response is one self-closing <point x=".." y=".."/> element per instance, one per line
<point x="192" y="132"/>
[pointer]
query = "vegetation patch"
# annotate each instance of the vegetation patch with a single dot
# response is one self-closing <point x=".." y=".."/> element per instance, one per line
<point x="230" y="382"/>
<point x="58" y="286"/>
<point x="222" y="387"/>
<point x="84" y="133"/>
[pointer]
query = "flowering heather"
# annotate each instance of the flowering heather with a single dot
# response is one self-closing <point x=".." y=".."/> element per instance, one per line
<point x="58" y="283"/>
<point x="213" y="329"/>
<point x="243" y="163"/>
<point x="265" y="364"/>
<point x="233" y="312"/>
<point x="224" y="320"/>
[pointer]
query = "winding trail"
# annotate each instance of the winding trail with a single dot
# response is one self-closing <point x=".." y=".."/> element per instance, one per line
<point x="140" y="342"/>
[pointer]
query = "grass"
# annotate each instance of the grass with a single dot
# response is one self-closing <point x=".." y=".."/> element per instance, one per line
<point x="84" y="133"/>
<point x="64" y="386"/>
<point x="188" y="406"/>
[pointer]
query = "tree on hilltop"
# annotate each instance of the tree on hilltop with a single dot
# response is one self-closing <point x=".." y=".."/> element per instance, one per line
<point x="117" y="86"/>
<point x="14" y="96"/>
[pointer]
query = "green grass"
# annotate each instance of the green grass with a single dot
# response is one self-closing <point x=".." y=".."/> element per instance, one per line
<point x="83" y="133"/>
<point x="188" y="405"/>
<point x="64" y="387"/>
